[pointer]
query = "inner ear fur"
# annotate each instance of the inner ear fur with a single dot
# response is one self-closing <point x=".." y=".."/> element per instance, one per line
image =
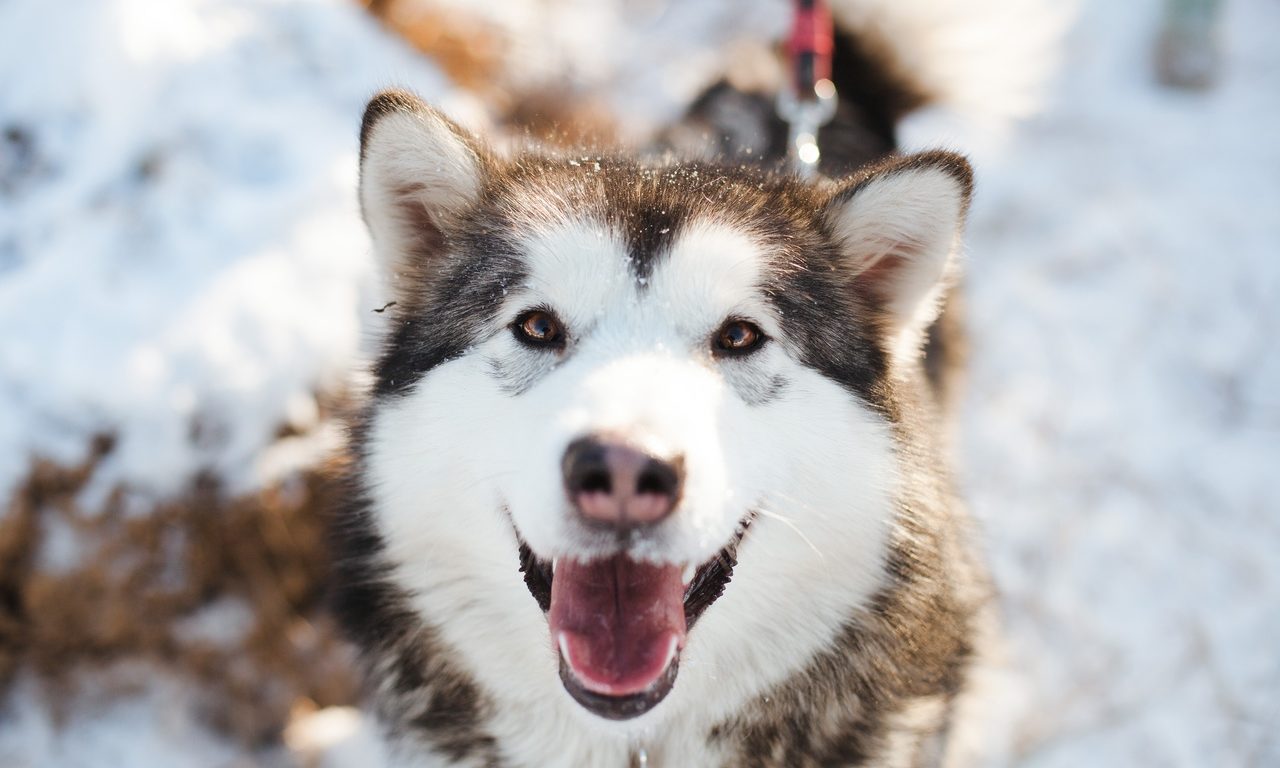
<point x="898" y="227"/>
<point x="419" y="171"/>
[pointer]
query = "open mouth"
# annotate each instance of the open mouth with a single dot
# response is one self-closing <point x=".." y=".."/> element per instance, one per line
<point x="619" y="624"/>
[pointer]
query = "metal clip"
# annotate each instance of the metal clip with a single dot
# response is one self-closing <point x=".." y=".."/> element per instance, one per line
<point x="804" y="117"/>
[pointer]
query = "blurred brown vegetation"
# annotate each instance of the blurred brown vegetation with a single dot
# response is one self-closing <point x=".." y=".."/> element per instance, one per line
<point x="475" y="55"/>
<point x="140" y="578"/>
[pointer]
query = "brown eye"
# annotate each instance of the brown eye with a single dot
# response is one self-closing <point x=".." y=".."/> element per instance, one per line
<point x="738" y="337"/>
<point x="538" y="328"/>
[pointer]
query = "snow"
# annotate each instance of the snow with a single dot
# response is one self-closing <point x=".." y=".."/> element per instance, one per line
<point x="1123" y="430"/>
<point x="336" y="737"/>
<point x="181" y="256"/>
<point x="157" y="724"/>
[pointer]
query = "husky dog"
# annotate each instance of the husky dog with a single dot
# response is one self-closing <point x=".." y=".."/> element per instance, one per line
<point x="652" y="470"/>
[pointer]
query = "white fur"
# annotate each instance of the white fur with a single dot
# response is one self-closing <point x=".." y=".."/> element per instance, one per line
<point x="915" y="216"/>
<point x="452" y="456"/>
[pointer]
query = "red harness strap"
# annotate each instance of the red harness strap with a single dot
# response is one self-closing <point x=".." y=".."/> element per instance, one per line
<point x="810" y="46"/>
<point x="810" y="100"/>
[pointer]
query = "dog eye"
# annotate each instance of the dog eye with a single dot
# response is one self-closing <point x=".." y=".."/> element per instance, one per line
<point x="738" y="337"/>
<point x="538" y="328"/>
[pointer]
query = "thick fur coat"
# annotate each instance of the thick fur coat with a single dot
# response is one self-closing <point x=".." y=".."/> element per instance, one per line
<point x="833" y="604"/>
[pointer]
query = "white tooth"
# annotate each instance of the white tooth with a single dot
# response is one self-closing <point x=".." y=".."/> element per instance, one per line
<point x="671" y="651"/>
<point x="562" y="640"/>
<point x="689" y="571"/>
<point x="554" y="562"/>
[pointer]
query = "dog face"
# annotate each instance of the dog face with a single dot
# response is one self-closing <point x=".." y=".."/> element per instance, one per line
<point x="620" y="401"/>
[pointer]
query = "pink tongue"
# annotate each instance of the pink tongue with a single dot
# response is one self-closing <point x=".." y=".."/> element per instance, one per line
<point x="617" y="622"/>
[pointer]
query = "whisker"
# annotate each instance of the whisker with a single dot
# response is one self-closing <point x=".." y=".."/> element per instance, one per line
<point x="791" y="524"/>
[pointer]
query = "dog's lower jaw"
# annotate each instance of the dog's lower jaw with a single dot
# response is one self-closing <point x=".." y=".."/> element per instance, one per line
<point x="623" y="707"/>
<point x="703" y="585"/>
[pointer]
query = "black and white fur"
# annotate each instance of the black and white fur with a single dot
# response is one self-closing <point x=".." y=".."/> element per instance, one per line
<point x="855" y="607"/>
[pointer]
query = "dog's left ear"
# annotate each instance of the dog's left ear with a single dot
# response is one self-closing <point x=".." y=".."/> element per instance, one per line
<point x="898" y="227"/>
<point x="418" y="172"/>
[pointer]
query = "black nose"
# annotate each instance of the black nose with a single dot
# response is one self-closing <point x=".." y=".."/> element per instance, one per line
<point x="612" y="483"/>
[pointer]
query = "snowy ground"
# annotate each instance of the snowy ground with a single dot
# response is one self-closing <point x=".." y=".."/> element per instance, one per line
<point x="180" y="250"/>
<point x="1123" y="435"/>
<point x="180" y="256"/>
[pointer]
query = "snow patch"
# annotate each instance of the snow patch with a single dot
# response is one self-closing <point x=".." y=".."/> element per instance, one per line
<point x="181" y="253"/>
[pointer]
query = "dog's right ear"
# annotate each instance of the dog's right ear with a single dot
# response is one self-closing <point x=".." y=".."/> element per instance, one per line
<point x="418" y="172"/>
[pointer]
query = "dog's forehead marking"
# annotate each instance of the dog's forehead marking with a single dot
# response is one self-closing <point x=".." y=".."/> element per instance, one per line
<point x="584" y="268"/>
<point x="713" y="269"/>
<point x="578" y="266"/>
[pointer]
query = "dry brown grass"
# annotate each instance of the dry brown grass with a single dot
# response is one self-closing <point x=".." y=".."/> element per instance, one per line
<point x="474" y="54"/>
<point x="464" y="45"/>
<point x="140" y="579"/>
